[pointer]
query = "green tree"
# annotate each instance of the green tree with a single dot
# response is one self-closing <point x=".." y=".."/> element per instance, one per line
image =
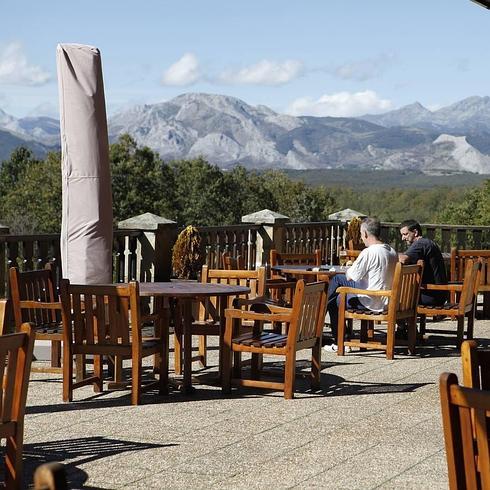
<point x="473" y="210"/>
<point x="33" y="203"/>
<point x="141" y="182"/>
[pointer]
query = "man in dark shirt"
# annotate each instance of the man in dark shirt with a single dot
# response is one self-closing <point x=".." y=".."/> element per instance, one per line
<point x="434" y="267"/>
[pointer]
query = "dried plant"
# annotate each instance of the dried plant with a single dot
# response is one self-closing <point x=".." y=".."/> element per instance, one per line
<point x="354" y="234"/>
<point x="187" y="259"/>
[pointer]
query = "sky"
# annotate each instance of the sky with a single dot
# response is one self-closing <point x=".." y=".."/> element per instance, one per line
<point x="316" y="57"/>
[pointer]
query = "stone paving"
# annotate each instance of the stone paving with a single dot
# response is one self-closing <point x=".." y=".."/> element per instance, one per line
<point x="375" y="424"/>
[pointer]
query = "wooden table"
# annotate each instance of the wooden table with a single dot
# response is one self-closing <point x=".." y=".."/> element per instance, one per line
<point x="309" y="272"/>
<point x="185" y="292"/>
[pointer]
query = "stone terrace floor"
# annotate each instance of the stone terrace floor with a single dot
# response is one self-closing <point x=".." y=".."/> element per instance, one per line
<point x="375" y="424"/>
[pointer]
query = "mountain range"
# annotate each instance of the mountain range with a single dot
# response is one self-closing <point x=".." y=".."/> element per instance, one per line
<point x="227" y="131"/>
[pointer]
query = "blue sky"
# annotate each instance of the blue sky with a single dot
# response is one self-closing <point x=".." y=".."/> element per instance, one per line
<point x="317" y="57"/>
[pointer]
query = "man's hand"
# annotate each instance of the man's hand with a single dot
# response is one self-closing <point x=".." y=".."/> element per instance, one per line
<point x="404" y="259"/>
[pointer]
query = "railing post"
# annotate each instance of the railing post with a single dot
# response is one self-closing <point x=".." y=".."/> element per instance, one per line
<point x="272" y="234"/>
<point x="4" y="230"/>
<point x="154" y="250"/>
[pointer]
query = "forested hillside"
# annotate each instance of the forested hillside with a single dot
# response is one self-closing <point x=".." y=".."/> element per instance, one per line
<point x="197" y="192"/>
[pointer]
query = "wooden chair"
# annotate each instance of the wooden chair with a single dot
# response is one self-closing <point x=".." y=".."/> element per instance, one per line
<point x="279" y="258"/>
<point x="476" y="365"/>
<point x="305" y="319"/>
<point x="105" y="320"/>
<point x="208" y="321"/>
<point x="464" y="308"/>
<point x="50" y="476"/>
<point x="465" y="421"/>
<point x="402" y="305"/>
<point x="15" y="363"/>
<point x="232" y="263"/>
<point x="458" y="266"/>
<point x="35" y="300"/>
<point x="3" y="311"/>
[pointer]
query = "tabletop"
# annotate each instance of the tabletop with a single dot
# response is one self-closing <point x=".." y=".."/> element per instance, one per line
<point x="189" y="289"/>
<point x="310" y="270"/>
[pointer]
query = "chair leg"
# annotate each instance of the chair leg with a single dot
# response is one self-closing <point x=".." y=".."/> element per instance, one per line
<point x="423" y="320"/>
<point x="412" y="335"/>
<point x="227" y="354"/>
<point x="364" y="333"/>
<point x="13" y="461"/>
<point x="136" y="381"/>
<point x="98" y="372"/>
<point x="290" y="374"/>
<point x="56" y="353"/>
<point x="390" y="340"/>
<point x="486" y="305"/>
<point x="67" y="374"/>
<point x="341" y="331"/>
<point x="203" y="350"/>
<point x="471" y="322"/>
<point x="316" y="365"/>
<point x="460" y="332"/>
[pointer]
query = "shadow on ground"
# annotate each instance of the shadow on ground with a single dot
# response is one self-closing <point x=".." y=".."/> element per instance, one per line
<point x="75" y="452"/>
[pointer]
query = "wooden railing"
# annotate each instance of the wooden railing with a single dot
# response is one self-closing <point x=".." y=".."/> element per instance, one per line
<point x="307" y="237"/>
<point x="236" y="239"/>
<point x="32" y="252"/>
<point x="446" y="236"/>
<point x="136" y="255"/>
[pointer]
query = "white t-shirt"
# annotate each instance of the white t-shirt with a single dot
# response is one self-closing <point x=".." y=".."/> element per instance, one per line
<point x="374" y="269"/>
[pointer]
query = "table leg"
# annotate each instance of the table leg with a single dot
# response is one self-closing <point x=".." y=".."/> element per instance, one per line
<point x="187" y="320"/>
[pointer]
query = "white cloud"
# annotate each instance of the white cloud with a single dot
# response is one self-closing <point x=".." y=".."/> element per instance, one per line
<point x="341" y="104"/>
<point x="14" y="68"/>
<point x="185" y="71"/>
<point x="366" y="69"/>
<point x="264" y="72"/>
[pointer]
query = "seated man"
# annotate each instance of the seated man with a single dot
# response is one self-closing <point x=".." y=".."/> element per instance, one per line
<point x="421" y="248"/>
<point x="373" y="269"/>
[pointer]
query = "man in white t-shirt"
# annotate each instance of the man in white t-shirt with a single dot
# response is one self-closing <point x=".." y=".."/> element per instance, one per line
<point x="373" y="269"/>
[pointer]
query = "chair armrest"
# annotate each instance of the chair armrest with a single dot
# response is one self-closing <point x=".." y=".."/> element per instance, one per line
<point x="443" y="287"/>
<point x="367" y="292"/>
<point x="250" y="315"/>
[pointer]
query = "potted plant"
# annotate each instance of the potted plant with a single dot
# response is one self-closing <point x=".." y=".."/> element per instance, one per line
<point x="187" y="257"/>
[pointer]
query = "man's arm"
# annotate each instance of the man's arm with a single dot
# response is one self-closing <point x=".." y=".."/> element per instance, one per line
<point x="404" y="258"/>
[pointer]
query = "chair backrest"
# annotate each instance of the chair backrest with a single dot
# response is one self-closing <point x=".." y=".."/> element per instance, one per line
<point x="352" y="254"/>
<point x="279" y="258"/>
<point x="476" y="365"/>
<point x="34" y="297"/>
<point x="232" y="263"/>
<point x="15" y="365"/>
<point x="465" y="422"/>
<point x="101" y="314"/>
<point x="308" y="313"/>
<point x="459" y="259"/>
<point x="470" y="285"/>
<point x="406" y="289"/>
<point x="255" y="280"/>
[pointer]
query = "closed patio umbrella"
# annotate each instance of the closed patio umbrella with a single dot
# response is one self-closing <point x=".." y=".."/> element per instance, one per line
<point x="86" y="229"/>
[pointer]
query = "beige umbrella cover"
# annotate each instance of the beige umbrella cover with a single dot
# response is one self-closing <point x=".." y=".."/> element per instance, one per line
<point x="86" y="228"/>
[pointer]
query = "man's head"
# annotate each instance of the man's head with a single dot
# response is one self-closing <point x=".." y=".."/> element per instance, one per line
<point x="370" y="231"/>
<point x="410" y="231"/>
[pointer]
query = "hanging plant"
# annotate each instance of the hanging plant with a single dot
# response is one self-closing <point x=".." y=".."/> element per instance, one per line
<point x="187" y="259"/>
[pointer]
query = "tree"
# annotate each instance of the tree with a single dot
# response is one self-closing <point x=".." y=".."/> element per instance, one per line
<point x="33" y="203"/>
<point x="474" y="210"/>
<point x="141" y="182"/>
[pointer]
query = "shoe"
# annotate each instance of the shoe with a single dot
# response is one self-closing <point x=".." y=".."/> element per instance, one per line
<point x="335" y="348"/>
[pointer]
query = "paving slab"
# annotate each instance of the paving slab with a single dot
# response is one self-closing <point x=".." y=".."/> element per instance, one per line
<point x="374" y="424"/>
